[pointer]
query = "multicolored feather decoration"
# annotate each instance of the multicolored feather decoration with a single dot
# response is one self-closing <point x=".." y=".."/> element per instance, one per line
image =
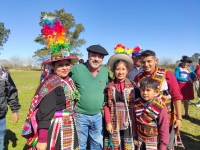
<point x="121" y="49"/>
<point x="55" y="35"/>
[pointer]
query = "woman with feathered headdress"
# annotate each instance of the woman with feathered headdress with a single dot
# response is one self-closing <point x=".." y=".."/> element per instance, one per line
<point x="50" y="120"/>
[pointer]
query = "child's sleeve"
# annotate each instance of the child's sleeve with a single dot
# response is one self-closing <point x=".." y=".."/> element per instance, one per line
<point x="163" y="126"/>
<point x="107" y="114"/>
<point x="134" y="125"/>
<point x="12" y="95"/>
<point x="106" y="108"/>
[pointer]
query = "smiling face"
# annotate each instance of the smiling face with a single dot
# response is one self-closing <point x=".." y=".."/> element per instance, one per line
<point x="149" y="63"/>
<point x="147" y="93"/>
<point x="121" y="71"/>
<point x="62" y="68"/>
<point x="95" y="60"/>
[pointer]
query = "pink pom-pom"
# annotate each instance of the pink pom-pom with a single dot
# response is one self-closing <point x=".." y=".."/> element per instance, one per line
<point x="46" y="30"/>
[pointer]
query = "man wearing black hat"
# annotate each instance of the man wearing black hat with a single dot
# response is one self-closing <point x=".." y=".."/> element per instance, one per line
<point x="90" y="79"/>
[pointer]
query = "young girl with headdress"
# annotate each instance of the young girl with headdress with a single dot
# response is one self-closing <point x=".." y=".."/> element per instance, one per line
<point x="119" y="96"/>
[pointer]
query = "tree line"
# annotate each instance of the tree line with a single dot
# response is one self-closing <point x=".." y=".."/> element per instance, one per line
<point x="168" y="63"/>
<point x="19" y="63"/>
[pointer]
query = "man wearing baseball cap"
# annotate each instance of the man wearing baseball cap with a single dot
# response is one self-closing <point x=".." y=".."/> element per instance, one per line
<point x="90" y="79"/>
<point x="137" y="65"/>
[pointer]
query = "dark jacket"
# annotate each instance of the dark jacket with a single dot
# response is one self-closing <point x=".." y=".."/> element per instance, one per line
<point x="8" y="94"/>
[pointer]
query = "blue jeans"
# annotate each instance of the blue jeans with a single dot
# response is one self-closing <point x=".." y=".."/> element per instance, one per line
<point x="2" y="132"/>
<point x="93" y="125"/>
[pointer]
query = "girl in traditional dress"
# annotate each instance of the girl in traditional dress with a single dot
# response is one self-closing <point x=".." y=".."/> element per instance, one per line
<point x="185" y="76"/>
<point x="119" y="96"/>
<point x="50" y="120"/>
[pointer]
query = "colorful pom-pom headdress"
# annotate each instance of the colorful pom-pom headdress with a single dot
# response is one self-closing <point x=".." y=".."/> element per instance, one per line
<point x="137" y="51"/>
<point x="57" y="40"/>
<point x="122" y="53"/>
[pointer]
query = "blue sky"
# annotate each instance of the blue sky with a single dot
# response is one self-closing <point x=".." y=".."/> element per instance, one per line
<point x="171" y="28"/>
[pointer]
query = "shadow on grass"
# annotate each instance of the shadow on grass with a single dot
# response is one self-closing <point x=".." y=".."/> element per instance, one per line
<point x="190" y="141"/>
<point x="10" y="137"/>
<point x="193" y="120"/>
<point x="25" y="147"/>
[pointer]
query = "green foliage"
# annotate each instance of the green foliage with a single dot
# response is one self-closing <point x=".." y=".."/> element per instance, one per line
<point x="195" y="57"/>
<point x="42" y="54"/>
<point x="74" y="30"/>
<point x="4" y="34"/>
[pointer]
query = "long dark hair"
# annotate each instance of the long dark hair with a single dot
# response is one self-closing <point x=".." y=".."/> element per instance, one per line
<point x="116" y="63"/>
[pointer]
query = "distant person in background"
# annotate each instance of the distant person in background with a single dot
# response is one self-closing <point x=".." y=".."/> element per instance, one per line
<point x="81" y="61"/>
<point x="137" y="64"/>
<point x="8" y="95"/>
<point x="196" y="83"/>
<point x="185" y="76"/>
<point x="47" y="69"/>
<point x="197" y="70"/>
<point x="7" y="70"/>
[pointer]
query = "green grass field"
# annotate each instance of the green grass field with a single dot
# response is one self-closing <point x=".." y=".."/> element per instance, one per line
<point x="27" y="82"/>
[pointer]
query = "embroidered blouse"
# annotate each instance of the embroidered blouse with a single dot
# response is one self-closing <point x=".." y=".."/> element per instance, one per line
<point x="183" y="75"/>
<point x="52" y="102"/>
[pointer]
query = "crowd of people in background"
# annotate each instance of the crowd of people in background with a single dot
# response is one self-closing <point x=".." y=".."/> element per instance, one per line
<point x="79" y="105"/>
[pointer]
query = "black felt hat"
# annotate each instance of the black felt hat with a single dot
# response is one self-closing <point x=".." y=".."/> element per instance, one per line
<point x="97" y="49"/>
<point x="186" y="58"/>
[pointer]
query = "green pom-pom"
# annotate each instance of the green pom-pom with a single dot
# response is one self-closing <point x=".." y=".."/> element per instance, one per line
<point x="76" y="95"/>
<point x="58" y="47"/>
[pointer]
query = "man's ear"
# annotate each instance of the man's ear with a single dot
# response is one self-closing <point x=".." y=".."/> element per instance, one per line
<point x="156" y="60"/>
<point x="156" y="91"/>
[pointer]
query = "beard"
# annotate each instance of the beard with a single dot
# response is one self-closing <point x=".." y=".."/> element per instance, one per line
<point x="94" y="64"/>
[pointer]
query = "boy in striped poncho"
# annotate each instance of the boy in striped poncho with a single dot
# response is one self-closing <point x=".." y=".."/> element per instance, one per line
<point x="150" y="124"/>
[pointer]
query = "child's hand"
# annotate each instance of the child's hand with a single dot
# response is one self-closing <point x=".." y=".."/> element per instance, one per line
<point x="109" y="128"/>
<point x="177" y="125"/>
<point x="15" y="118"/>
<point x="135" y="142"/>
